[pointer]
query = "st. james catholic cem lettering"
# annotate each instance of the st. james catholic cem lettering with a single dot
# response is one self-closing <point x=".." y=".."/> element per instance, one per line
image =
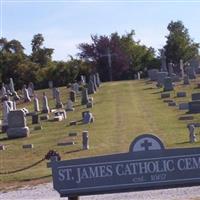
<point x="147" y="165"/>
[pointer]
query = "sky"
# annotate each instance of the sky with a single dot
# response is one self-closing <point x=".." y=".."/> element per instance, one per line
<point x="65" y="24"/>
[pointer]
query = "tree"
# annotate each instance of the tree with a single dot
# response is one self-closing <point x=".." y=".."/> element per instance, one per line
<point x="179" y="45"/>
<point x="41" y="56"/>
<point x="127" y="55"/>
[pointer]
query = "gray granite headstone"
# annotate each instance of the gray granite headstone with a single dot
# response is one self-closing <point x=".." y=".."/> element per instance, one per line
<point x="194" y="106"/>
<point x="160" y="78"/>
<point x="181" y="94"/>
<point x="72" y="95"/>
<point x="26" y="95"/>
<point x="91" y="89"/>
<point x="183" y="106"/>
<point x="5" y="109"/>
<point x="85" y="140"/>
<point x="36" y="104"/>
<point x="195" y="96"/>
<point x="165" y="95"/>
<point x="58" y="100"/>
<point x="84" y="97"/>
<point x="11" y="86"/>
<point x="182" y="68"/>
<point x="35" y="119"/>
<point x="152" y="74"/>
<point x="191" y="73"/>
<point x="168" y="85"/>
<point x="50" y="83"/>
<point x="192" y="136"/>
<point x="45" y="106"/>
<point x="88" y="118"/>
<point x="69" y="106"/>
<point x="186" y="80"/>
<point x="17" y="124"/>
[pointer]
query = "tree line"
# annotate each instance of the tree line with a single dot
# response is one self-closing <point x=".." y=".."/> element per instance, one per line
<point x="118" y="55"/>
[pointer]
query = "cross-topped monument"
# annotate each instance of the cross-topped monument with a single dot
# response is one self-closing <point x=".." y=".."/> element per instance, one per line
<point x="109" y="56"/>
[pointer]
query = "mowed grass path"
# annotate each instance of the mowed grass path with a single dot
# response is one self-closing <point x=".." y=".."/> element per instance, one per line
<point x="122" y="111"/>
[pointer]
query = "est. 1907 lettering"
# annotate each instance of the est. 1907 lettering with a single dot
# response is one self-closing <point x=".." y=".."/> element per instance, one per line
<point x="158" y="177"/>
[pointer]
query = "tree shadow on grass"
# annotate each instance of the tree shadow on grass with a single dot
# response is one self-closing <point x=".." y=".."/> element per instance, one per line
<point x="33" y="179"/>
<point x="185" y="142"/>
<point x="73" y="151"/>
<point x="159" y="92"/>
<point x="149" y="88"/>
<point x="4" y="139"/>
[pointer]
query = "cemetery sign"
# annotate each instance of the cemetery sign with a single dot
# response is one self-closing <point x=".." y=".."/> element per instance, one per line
<point x="147" y="165"/>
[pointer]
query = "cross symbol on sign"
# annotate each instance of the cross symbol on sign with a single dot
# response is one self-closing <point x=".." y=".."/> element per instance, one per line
<point x="146" y="145"/>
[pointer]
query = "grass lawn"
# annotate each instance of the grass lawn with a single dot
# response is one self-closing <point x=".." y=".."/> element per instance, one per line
<point x="122" y="110"/>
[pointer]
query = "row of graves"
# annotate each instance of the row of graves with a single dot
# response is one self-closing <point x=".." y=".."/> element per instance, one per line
<point x="169" y="78"/>
<point x="147" y="165"/>
<point x="14" y="120"/>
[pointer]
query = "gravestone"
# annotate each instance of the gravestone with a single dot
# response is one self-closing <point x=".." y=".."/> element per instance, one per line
<point x="183" y="106"/>
<point x="195" y="96"/>
<point x="50" y="83"/>
<point x="68" y="143"/>
<point x="194" y="106"/>
<point x="88" y="117"/>
<point x="53" y="92"/>
<point x="2" y="147"/>
<point x="98" y="80"/>
<point x="168" y="100"/>
<point x="172" y="104"/>
<point x="75" y="87"/>
<point x="152" y="74"/>
<point x="35" y="119"/>
<point x="57" y="99"/>
<point x="26" y="95"/>
<point x="170" y="69"/>
<point x="84" y="97"/>
<point x="5" y="109"/>
<point x="168" y="85"/>
<point x="16" y="96"/>
<point x="61" y="112"/>
<point x="182" y="68"/>
<point x="36" y="104"/>
<point x="45" y="106"/>
<point x="69" y="106"/>
<point x="138" y="76"/>
<point x="93" y="79"/>
<point x="165" y="95"/>
<point x="3" y="89"/>
<point x="27" y="146"/>
<point x="83" y="80"/>
<point x="17" y="125"/>
<point x="186" y="80"/>
<point x="191" y="73"/>
<point x="160" y="78"/>
<point x="91" y="89"/>
<point x="72" y="95"/>
<point x="192" y="136"/>
<point x="30" y="89"/>
<point x="181" y="94"/>
<point x="89" y="104"/>
<point x="11" y="86"/>
<point x="72" y="123"/>
<point x="163" y="61"/>
<point x="85" y="140"/>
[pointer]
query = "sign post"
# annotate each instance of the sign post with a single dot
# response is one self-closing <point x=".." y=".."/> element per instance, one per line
<point x="147" y="165"/>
